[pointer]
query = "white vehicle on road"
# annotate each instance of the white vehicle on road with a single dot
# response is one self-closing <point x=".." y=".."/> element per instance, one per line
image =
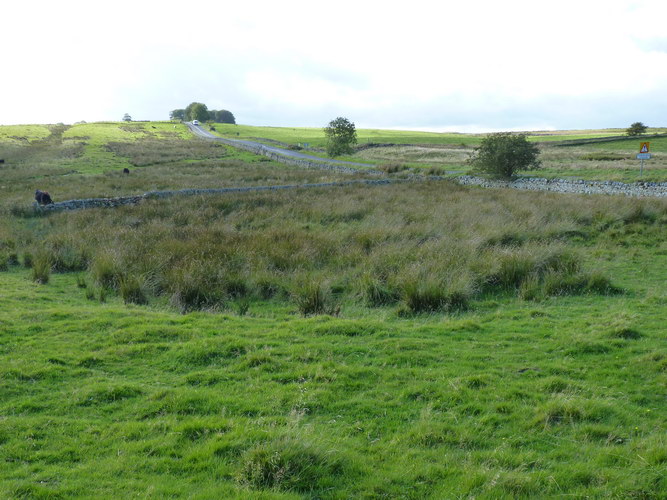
<point x="195" y="122"/>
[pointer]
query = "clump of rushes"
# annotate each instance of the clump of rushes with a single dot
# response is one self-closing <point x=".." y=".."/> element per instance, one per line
<point x="313" y="297"/>
<point x="106" y="270"/>
<point x="431" y="294"/>
<point x="242" y="306"/>
<point x="13" y="259"/>
<point x="132" y="290"/>
<point x="196" y="286"/>
<point x="41" y="268"/>
<point x="67" y="253"/>
<point x="4" y="261"/>
<point x="392" y="168"/>
<point x="376" y="291"/>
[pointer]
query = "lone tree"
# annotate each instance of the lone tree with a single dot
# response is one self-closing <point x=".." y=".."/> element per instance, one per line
<point x="341" y="136"/>
<point x="127" y="117"/>
<point x="503" y="154"/>
<point x="637" y="128"/>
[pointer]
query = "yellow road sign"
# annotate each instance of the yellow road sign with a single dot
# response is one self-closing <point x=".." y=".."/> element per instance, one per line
<point x="644" y="147"/>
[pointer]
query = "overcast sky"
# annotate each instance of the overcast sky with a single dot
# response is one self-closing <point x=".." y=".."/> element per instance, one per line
<point x="472" y="65"/>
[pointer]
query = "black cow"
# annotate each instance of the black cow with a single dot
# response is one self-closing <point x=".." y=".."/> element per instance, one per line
<point x="43" y="197"/>
<point x="126" y="170"/>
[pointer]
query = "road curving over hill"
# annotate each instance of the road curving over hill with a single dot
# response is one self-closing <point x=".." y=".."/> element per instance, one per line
<point x="286" y="155"/>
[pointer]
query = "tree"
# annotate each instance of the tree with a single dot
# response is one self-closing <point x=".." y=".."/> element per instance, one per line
<point x="341" y="135"/>
<point x="127" y="117"/>
<point x="223" y="116"/>
<point x="196" y="111"/>
<point x="637" y="128"/>
<point x="503" y="154"/>
<point x="177" y="114"/>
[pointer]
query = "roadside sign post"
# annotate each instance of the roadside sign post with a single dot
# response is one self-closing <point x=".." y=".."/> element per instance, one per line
<point x="643" y="155"/>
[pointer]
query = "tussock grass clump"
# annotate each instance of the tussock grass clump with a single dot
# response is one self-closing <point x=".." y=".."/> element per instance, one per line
<point x="430" y="295"/>
<point x="106" y="270"/>
<point x="533" y="272"/>
<point x="626" y="333"/>
<point x="313" y="296"/>
<point x="4" y="261"/>
<point x="435" y="171"/>
<point x="640" y="212"/>
<point x="13" y="259"/>
<point x="41" y="267"/>
<point x="133" y="290"/>
<point x="193" y="289"/>
<point x="290" y="465"/>
<point x="569" y="410"/>
<point x="110" y="394"/>
<point x="67" y="252"/>
<point x="28" y="260"/>
<point x="575" y="284"/>
<point x="393" y="167"/>
<point x="376" y="291"/>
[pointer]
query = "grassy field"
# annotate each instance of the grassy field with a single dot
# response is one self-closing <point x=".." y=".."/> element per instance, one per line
<point x="87" y="160"/>
<point x="315" y="136"/>
<point x="407" y="341"/>
<point x="437" y="153"/>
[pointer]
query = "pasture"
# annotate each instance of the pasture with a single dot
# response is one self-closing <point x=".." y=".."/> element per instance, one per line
<point x="401" y="152"/>
<point x="418" y="340"/>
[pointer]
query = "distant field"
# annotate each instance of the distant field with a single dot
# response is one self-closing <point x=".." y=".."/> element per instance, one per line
<point x="315" y="136"/>
<point x="23" y="133"/>
<point x="87" y="160"/>
<point x="96" y="148"/>
<point x="439" y="153"/>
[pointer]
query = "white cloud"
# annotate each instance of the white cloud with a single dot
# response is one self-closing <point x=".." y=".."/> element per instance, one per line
<point x="479" y="63"/>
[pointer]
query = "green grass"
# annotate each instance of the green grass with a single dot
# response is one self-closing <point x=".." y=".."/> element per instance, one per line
<point x="413" y="341"/>
<point x="427" y="152"/>
<point x="97" y="158"/>
<point x="315" y="136"/>
<point x="23" y="133"/>
<point x="657" y="145"/>
<point x="513" y="399"/>
<point x="87" y="161"/>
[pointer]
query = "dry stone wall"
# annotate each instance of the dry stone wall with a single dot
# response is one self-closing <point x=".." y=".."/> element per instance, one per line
<point x="133" y="200"/>
<point x="637" y="189"/>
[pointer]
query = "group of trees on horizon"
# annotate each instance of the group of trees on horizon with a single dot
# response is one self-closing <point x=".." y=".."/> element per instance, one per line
<point x="199" y="111"/>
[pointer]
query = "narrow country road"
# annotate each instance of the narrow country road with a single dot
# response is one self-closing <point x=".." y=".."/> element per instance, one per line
<point x="244" y="144"/>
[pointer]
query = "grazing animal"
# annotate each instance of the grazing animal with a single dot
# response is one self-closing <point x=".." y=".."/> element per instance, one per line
<point x="126" y="170"/>
<point x="43" y="197"/>
<point x="2" y="160"/>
